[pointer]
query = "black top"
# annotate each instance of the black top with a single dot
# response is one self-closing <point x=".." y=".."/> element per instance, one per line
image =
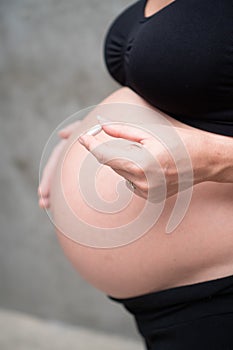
<point x="180" y="60"/>
<point x="190" y="317"/>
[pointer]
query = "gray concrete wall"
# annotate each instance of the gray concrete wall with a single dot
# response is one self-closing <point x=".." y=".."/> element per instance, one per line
<point x="51" y="65"/>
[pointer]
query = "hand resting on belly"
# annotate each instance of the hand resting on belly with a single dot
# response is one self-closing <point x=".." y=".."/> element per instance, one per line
<point x="199" y="249"/>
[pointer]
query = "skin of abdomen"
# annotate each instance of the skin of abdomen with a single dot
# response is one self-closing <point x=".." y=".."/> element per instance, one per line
<point x="199" y="249"/>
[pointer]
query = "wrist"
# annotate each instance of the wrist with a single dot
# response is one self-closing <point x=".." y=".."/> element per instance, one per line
<point x="204" y="167"/>
<point x="219" y="158"/>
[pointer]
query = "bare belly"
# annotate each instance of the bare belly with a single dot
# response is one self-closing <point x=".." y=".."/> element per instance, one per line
<point x="199" y="249"/>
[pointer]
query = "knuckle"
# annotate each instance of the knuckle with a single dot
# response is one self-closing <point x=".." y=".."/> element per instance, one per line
<point x="134" y="168"/>
<point x="101" y="158"/>
<point x="143" y="186"/>
<point x="140" y="172"/>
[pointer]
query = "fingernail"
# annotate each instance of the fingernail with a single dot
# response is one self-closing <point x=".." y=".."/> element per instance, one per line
<point x="102" y="120"/>
<point x="95" y="130"/>
<point x="92" y="131"/>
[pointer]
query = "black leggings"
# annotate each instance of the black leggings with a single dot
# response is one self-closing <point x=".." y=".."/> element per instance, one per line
<point x="190" y="317"/>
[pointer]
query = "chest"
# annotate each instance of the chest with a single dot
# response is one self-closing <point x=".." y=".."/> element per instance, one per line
<point x="177" y="58"/>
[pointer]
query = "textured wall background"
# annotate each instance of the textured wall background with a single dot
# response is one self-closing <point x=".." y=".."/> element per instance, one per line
<point x="51" y="65"/>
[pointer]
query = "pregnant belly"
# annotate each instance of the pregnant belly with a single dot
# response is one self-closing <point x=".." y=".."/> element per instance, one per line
<point x="200" y="248"/>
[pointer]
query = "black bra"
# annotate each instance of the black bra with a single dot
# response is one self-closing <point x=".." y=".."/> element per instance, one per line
<point x="180" y="60"/>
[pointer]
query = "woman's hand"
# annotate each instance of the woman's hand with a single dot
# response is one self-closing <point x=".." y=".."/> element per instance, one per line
<point x="47" y="176"/>
<point x="135" y="155"/>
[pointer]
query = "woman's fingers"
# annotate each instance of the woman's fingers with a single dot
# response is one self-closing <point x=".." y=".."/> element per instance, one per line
<point x="68" y="130"/>
<point x="45" y="183"/>
<point x="119" y="154"/>
<point x="104" y="152"/>
<point x="44" y="203"/>
<point x="124" y="130"/>
<point x="47" y="172"/>
<point x="97" y="148"/>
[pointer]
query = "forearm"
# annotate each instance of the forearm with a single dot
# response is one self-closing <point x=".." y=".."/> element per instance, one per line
<point x="220" y="158"/>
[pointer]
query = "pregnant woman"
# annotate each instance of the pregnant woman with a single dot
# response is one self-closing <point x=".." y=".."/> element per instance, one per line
<point x="175" y="58"/>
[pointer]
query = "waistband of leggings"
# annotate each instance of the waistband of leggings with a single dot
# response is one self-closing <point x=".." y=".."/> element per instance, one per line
<point x="178" y="305"/>
<point x="181" y="294"/>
